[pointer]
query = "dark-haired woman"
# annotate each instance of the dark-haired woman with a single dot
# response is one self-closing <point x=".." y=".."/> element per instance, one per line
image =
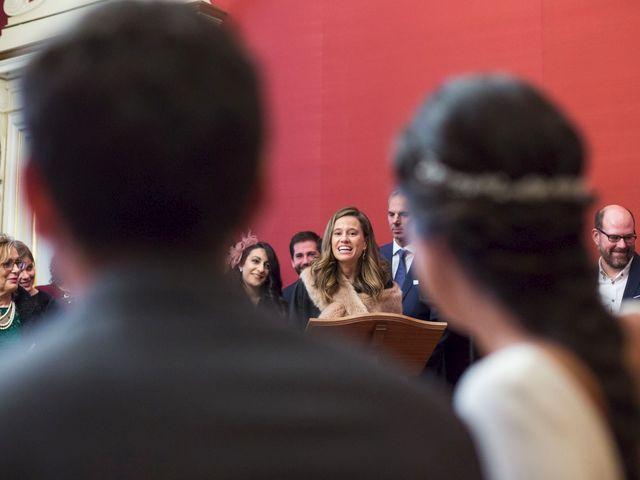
<point x="349" y="277"/>
<point x="43" y="302"/>
<point x="493" y="172"/>
<point x="257" y="269"/>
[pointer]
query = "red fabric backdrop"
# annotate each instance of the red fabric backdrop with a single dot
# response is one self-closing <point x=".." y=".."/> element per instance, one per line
<point x="343" y="76"/>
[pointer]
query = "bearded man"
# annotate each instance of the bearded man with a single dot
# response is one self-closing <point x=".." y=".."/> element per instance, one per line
<point x="614" y="234"/>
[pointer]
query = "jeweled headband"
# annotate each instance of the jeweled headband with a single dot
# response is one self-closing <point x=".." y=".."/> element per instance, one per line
<point x="499" y="187"/>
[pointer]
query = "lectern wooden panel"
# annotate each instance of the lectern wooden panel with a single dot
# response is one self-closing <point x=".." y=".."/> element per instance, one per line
<point x="406" y="341"/>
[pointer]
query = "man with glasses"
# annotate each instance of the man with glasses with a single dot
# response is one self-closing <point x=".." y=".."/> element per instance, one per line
<point x="619" y="269"/>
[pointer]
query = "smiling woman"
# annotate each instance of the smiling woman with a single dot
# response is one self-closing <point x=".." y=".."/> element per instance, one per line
<point x="255" y="266"/>
<point x="10" y="268"/>
<point x="349" y="278"/>
<point x="43" y="302"/>
<point x="17" y="308"/>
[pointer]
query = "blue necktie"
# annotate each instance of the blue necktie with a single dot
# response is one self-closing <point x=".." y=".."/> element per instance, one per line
<point x="401" y="272"/>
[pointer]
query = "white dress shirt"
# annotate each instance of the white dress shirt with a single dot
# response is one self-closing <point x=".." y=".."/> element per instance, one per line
<point x="612" y="289"/>
<point x="395" y="259"/>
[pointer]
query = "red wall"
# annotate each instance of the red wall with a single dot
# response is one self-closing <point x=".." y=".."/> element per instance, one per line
<point x="3" y="16"/>
<point x="343" y="76"/>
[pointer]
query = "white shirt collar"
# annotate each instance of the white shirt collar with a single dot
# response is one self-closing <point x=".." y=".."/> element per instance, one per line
<point x="623" y="273"/>
<point x="409" y="248"/>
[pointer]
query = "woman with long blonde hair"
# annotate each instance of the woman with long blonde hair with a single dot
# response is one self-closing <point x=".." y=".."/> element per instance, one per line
<point x="349" y="278"/>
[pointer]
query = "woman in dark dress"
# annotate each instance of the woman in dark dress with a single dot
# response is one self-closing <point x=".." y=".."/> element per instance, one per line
<point x="349" y="278"/>
<point x="255" y="267"/>
<point x="42" y="300"/>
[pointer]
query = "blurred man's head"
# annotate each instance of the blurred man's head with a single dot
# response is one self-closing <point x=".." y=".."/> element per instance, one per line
<point x="304" y="248"/>
<point x="399" y="218"/>
<point x="146" y="129"/>
<point x="614" y="234"/>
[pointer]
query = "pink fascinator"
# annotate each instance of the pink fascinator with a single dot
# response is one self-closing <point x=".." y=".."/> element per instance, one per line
<point x="235" y="252"/>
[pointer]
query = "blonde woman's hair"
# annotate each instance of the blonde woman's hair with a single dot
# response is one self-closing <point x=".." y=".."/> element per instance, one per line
<point x="373" y="273"/>
<point x="6" y="242"/>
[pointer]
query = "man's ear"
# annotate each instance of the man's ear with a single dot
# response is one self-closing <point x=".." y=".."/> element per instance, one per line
<point x="595" y="235"/>
<point x="39" y="199"/>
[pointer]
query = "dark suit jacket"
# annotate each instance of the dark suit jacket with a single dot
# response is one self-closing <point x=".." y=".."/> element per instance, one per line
<point x="151" y="376"/>
<point x="287" y="292"/>
<point x="632" y="289"/>
<point x="412" y="305"/>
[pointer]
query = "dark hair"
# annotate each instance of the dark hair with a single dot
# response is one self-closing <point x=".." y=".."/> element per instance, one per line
<point x="373" y="272"/>
<point x="529" y="254"/>
<point x="304" y="237"/>
<point x="23" y="250"/>
<point x="272" y="287"/>
<point x="6" y="243"/>
<point x="599" y="217"/>
<point x="145" y="125"/>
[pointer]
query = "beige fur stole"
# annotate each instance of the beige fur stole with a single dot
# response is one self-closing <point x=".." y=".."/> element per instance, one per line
<point x="346" y="301"/>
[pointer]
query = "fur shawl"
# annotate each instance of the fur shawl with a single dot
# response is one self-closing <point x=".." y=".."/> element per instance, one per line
<point x="346" y="301"/>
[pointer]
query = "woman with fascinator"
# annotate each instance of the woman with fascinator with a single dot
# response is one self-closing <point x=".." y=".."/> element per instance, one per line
<point x="349" y="278"/>
<point x="493" y="172"/>
<point x="255" y="266"/>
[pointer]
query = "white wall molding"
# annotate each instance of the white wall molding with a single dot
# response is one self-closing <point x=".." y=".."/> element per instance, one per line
<point x="36" y="22"/>
<point x="14" y="8"/>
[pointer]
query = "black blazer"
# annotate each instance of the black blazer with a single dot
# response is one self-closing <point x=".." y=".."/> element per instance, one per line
<point x="632" y="288"/>
<point x="412" y="303"/>
<point x="287" y="293"/>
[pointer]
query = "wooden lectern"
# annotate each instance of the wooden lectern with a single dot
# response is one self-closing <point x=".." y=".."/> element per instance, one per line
<point x="407" y="341"/>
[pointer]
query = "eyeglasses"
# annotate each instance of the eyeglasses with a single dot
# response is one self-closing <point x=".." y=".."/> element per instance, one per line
<point x="628" y="238"/>
<point x="8" y="265"/>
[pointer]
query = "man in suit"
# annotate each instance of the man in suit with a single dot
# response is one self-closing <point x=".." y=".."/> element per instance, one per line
<point x="400" y="254"/>
<point x="146" y="131"/>
<point x="614" y="234"/>
<point x="454" y="352"/>
<point x="304" y="248"/>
